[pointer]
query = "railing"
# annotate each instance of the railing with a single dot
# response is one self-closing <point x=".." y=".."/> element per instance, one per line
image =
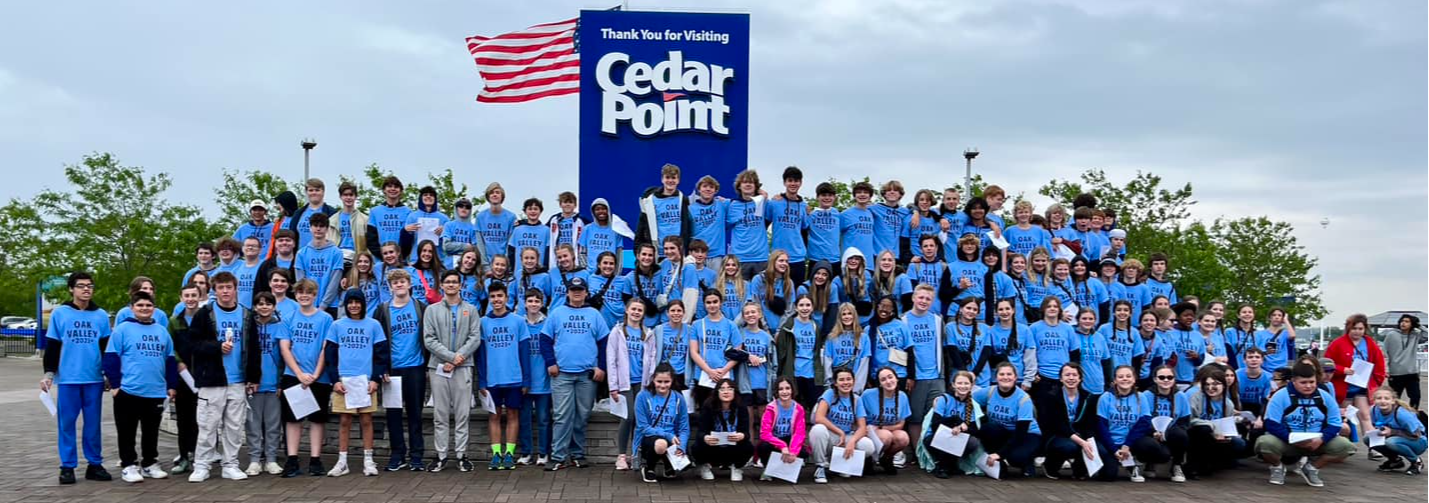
<point x="19" y="342"/>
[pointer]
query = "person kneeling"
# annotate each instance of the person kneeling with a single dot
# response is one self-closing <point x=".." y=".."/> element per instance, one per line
<point x="1299" y="410"/>
<point x="662" y="424"/>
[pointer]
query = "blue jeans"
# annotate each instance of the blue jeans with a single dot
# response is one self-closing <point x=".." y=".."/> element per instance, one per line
<point x="535" y="415"/>
<point x="1393" y="447"/>
<point x="70" y="401"/>
<point x="573" y="395"/>
<point x="414" y="392"/>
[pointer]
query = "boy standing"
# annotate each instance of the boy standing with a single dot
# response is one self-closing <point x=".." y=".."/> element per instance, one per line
<point x="257" y="226"/>
<point x="78" y="333"/>
<point x="503" y="339"/>
<point x="284" y="257"/>
<point x="265" y="418"/>
<point x="391" y="217"/>
<point x="602" y="235"/>
<point x="355" y="345"/>
<point x="134" y="361"/>
<point x="664" y="210"/>
<point x="305" y="366"/>
<point x="494" y="223"/>
<point x="321" y="260"/>
<point x="824" y="227"/>
<point x="299" y="223"/>
<point x="536" y="405"/>
<point x="707" y="215"/>
<point x="529" y="233"/>
<point x="220" y="356"/>
<point x="451" y="331"/>
<point x="856" y="224"/>
<point x="788" y="219"/>
<point x="402" y="318"/>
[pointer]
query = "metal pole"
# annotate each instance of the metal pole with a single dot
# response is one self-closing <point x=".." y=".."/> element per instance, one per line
<point x="308" y="145"/>
<point x="968" y="154"/>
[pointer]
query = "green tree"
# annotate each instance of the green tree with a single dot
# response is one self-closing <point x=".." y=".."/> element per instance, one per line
<point x="24" y="261"/>
<point x="448" y="190"/>
<point x="242" y="187"/>
<point x="1265" y="264"/>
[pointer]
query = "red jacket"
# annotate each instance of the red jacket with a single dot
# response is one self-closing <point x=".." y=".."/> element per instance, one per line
<point x="1342" y="351"/>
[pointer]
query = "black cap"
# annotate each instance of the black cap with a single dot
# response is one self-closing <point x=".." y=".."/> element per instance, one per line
<point x="463" y="203"/>
<point x="577" y="284"/>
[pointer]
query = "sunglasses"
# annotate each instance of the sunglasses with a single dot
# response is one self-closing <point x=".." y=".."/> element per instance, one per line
<point x="1165" y="378"/>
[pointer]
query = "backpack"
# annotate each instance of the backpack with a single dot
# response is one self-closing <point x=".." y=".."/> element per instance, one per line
<point x="1319" y="402"/>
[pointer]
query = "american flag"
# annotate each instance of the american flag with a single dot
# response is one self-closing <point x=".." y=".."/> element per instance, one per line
<point x="534" y="63"/>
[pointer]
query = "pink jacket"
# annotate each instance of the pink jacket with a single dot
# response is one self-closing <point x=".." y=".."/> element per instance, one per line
<point x="766" y="428"/>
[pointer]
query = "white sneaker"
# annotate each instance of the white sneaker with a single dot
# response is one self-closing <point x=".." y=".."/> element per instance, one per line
<point x="821" y="475"/>
<point x="273" y="468"/>
<point x="234" y="473"/>
<point x="622" y="463"/>
<point x="1176" y="474"/>
<point x="1136" y="474"/>
<point x="199" y="474"/>
<point x="736" y="474"/>
<point x="541" y="460"/>
<point x="706" y="473"/>
<point x="154" y="472"/>
<point x="900" y="460"/>
<point x="369" y="467"/>
<point x="526" y="460"/>
<point x="338" y="469"/>
<point x="131" y="474"/>
<point x="254" y="469"/>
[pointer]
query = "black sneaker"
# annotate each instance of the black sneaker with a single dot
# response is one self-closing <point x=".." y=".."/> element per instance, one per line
<point x="97" y="473"/>
<point x="1392" y="465"/>
<point x="418" y="466"/>
<point x="396" y="464"/>
<point x="940" y="473"/>
<point x="1416" y="467"/>
<point x="316" y="468"/>
<point x="887" y="465"/>
<point x="648" y="475"/>
<point x="580" y="463"/>
<point x="463" y="464"/>
<point x="291" y="468"/>
<point x="66" y="476"/>
<point x="554" y="465"/>
<point x="438" y="465"/>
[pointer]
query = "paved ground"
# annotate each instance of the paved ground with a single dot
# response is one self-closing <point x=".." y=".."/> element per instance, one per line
<point x="29" y="469"/>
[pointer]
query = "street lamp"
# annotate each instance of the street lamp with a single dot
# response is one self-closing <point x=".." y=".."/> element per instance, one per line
<point x="308" y="146"/>
<point x="969" y="154"/>
<point x="1325" y="226"/>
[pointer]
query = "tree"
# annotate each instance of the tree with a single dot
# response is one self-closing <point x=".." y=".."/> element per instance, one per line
<point x="370" y="194"/>
<point x="23" y="260"/>
<point x="1265" y="264"/>
<point x="116" y="223"/>
<point x="241" y="188"/>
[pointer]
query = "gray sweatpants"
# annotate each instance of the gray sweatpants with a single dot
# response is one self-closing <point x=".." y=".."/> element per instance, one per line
<point x="265" y="427"/>
<point x="222" y="413"/>
<point x="451" y="406"/>
<point x="822" y="442"/>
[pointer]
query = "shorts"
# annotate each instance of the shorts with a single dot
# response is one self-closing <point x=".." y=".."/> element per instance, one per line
<point x="321" y="392"/>
<point x="509" y="397"/>
<point x="756" y="398"/>
<point x="1353" y="391"/>
<point x="339" y="405"/>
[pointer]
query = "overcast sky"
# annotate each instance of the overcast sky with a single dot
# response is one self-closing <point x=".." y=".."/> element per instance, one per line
<point x="1294" y="109"/>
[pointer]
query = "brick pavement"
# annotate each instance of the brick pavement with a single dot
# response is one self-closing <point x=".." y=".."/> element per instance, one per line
<point x="28" y="472"/>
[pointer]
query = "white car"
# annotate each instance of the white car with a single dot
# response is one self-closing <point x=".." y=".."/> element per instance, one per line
<point x="18" y="322"/>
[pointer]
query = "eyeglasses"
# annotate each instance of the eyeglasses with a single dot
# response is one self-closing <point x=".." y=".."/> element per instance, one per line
<point x="1165" y="378"/>
<point x="84" y="286"/>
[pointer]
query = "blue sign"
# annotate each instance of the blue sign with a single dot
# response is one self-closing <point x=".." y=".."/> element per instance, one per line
<point x="661" y="88"/>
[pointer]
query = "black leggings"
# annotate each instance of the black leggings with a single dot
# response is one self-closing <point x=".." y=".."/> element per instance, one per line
<point x="947" y="462"/>
<point x="186" y="408"/>
<point x="1150" y="451"/>
<point x="1407" y="383"/>
<point x="809" y="392"/>
<point x="137" y="412"/>
<point x="1061" y="449"/>
<point x="722" y="456"/>
<point x="999" y="440"/>
<point x="1205" y="455"/>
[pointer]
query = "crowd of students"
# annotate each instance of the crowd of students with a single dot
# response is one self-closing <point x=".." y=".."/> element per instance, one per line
<point x="764" y="329"/>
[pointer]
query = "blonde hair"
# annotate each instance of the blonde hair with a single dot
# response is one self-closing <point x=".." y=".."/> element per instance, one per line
<point x="1022" y="205"/>
<point x="770" y="277"/>
<point x="838" y="329"/>
<point x="885" y="285"/>
<point x="739" y="282"/>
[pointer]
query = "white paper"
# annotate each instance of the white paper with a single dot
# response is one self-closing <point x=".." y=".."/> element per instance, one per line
<point x="689" y="400"/>
<point x="188" y="379"/>
<point x="952" y="443"/>
<point x="392" y="393"/>
<point x="357" y="396"/>
<point x="1301" y="436"/>
<point x="1363" y="370"/>
<point x="706" y="381"/>
<point x="992" y="472"/>
<point x="997" y="241"/>
<point x="301" y="401"/>
<point x="1161" y="423"/>
<point x="427" y="230"/>
<point x="618" y="407"/>
<point x="487" y="402"/>
<point x="49" y="402"/>
<point x="722" y="437"/>
<point x="677" y="461"/>
<point x="1350" y="412"/>
<point x="851" y="466"/>
<point x="778" y="469"/>
<point x="1129" y="462"/>
<point x="1063" y="252"/>
<point x="1374" y="438"/>
<point x="1225" y="426"/>
<point x="441" y="371"/>
<point x="1093" y="462"/>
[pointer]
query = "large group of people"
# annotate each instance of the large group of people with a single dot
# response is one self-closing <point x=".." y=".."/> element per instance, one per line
<point x="763" y="330"/>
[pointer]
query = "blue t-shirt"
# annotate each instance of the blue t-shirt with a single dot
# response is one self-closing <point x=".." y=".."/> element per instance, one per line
<point x="805" y="336"/>
<point x="635" y="353"/>
<point x="1304" y="415"/>
<point x="538" y="382"/>
<point x="565" y="227"/>
<point x="324" y="267"/>
<point x="230" y="324"/>
<point x="931" y="274"/>
<point x="1175" y="406"/>
<point x="1124" y="345"/>
<point x="675" y="347"/>
<point x="1279" y="348"/>
<point x="1253" y="390"/>
<point x="80" y="332"/>
<point x="263" y="232"/>
<point x="1162" y="346"/>
<point x="1000" y="340"/>
<point x="714" y="337"/>
<point x="648" y="286"/>
<point x="304" y="228"/>
<point x="1119" y="414"/>
<point x="844" y="411"/>
<point x="927" y="226"/>
<point x="787" y="221"/>
<point x="502" y="341"/>
<point x="757" y="343"/>
<point x="355" y="339"/>
<point x="888" y="223"/>
<point x="286" y="309"/>
<point x="270" y="357"/>
<point x="143" y="350"/>
<point x="525" y="282"/>
<point x="856" y="230"/>
<point x="1155" y="287"/>
<point x="1054" y="345"/>
<point x="926" y="346"/>
<point x="597" y="239"/>
<point x="1093" y="351"/>
<point x="824" y="232"/>
<point x="709" y="224"/>
<point x="125" y="314"/>
<point x="844" y="350"/>
<point x="1398" y="418"/>
<point x="247" y="276"/>
<point x="415" y="216"/>
<point x="389" y="221"/>
<point x="459" y="231"/>
<point x="495" y="230"/>
<point x="890" y="335"/>
<point x="306" y="334"/>
<point x="1007" y="411"/>
<point x="574" y="333"/>
<point x="344" y="231"/>
<point x="668" y="216"/>
<point x="748" y="234"/>
<point x="1023" y="241"/>
<point x="529" y="235"/>
<point x="559" y="281"/>
<point x="884" y="411"/>
<point x="784" y="420"/>
<point x="406" y="336"/>
<point x="613" y="307"/>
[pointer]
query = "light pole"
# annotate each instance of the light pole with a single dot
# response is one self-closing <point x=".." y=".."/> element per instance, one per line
<point x="308" y="146"/>
<point x="969" y="154"/>
<point x="1324" y="226"/>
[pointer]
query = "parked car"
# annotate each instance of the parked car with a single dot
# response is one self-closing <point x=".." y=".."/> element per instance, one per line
<point x="18" y="322"/>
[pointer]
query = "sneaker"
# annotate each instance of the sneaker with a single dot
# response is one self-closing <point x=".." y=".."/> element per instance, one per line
<point x="1311" y="476"/>
<point x="554" y="465"/>
<point x="97" y="473"/>
<point x="199" y="474"/>
<point x="1277" y="475"/>
<point x="941" y="473"/>
<point x="183" y="465"/>
<point x="1375" y="455"/>
<point x="580" y="463"/>
<point x="622" y="463"/>
<point x="526" y="460"/>
<point x="1416" y="467"/>
<point x="900" y="460"/>
<point x="508" y="461"/>
<point x="1051" y="472"/>
<point x="233" y="473"/>
<point x="131" y="474"/>
<point x="369" y="467"/>
<point x="339" y="469"/>
<point x="542" y="460"/>
<point x="1392" y="465"/>
<point x="66" y="476"/>
<point x="706" y="472"/>
<point x="736" y="474"/>
<point x="888" y="466"/>
<point x="315" y="468"/>
<point x="291" y="468"/>
<point x="495" y="463"/>
<point x="438" y="465"/>
<point x="418" y="466"/>
<point x="648" y="475"/>
<point x="396" y="464"/>
<point x="757" y="463"/>
<point x="821" y="475"/>
<point x="464" y="465"/>
<point x="1136" y="474"/>
<point x="254" y="469"/>
<point x="153" y="472"/>
<point x="1177" y="475"/>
